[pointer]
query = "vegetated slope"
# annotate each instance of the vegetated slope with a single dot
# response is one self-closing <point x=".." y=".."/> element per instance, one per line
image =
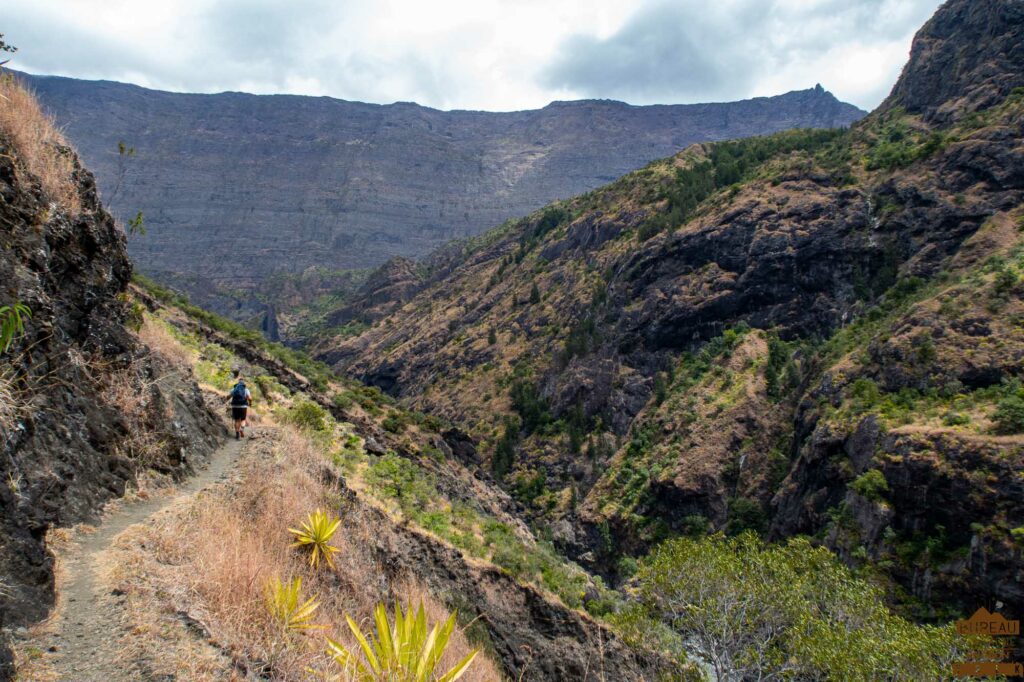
<point x="411" y="512"/>
<point x="84" y="406"/>
<point x="237" y="187"/>
<point x="812" y="332"/>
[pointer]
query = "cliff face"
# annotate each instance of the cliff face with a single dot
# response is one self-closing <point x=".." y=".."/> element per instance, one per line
<point x="235" y="187"/>
<point x="825" y="348"/>
<point x="964" y="59"/>
<point x="85" y="405"/>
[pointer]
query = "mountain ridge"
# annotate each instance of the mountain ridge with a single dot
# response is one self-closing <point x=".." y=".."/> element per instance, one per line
<point x="238" y="187"/>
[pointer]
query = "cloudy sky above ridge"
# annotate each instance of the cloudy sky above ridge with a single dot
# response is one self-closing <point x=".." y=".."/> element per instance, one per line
<point x="476" y="54"/>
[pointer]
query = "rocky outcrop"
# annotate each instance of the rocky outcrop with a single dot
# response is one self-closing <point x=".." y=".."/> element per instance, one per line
<point x="389" y="286"/>
<point x="79" y="390"/>
<point x="236" y="187"/>
<point x="967" y="57"/>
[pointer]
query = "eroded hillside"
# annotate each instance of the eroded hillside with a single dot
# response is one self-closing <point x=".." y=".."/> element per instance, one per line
<point x="813" y="332"/>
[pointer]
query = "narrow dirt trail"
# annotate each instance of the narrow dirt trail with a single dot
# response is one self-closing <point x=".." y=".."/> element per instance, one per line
<point x="83" y="642"/>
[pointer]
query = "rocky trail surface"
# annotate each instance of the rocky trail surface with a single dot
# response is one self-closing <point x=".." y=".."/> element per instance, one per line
<point x="82" y="639"/>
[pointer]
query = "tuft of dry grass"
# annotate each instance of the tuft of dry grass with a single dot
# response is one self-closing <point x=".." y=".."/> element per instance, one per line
<point x="156" y="334"/>
<point x="39" y="144"/>
<point x="8" y="406"/>
<point x="213" y="560"/>
<point x="129" y="393"/>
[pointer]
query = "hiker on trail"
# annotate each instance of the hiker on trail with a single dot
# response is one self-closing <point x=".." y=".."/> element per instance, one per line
<point x="241" y="398"/>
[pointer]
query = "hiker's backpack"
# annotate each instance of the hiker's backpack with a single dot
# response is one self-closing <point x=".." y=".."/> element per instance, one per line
<point x="238" y="394"/>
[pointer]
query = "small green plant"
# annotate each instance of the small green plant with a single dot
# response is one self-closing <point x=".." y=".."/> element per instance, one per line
<point x="12" y="323"/>
<point x="316" y="533"/>
<point x="401" y="652"/>
<point x="136" y="225"/>
<point x="286" y="607"/>
<point x="955" y="419"/>
<point x="1017" y="534"/>
<point x="871" y="485"/>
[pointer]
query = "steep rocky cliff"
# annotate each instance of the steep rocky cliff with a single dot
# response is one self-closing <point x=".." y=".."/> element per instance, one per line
<point x="813" y="332"/>
<point x="236" y="187"/>
<point x="84" y="406"/>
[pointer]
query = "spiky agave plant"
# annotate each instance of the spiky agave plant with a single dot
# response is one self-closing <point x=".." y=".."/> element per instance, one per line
<point x="316" y="534"/>
<point x="284" y="602"/>
<point x="403" y="652"/>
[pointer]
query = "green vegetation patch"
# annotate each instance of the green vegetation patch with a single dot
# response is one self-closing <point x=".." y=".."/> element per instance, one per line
<point x="752" y="610"/>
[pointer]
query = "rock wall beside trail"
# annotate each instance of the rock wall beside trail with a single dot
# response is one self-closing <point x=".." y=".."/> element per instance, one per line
<point x="88" y="406"/>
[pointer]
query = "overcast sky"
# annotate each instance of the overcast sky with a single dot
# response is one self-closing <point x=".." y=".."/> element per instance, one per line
<point x="476" y="54"/>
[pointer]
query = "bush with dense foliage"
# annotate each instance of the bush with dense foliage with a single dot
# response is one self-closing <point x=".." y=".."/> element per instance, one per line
<point x="1009" y="415"/>
<point x="752" y="610"/>
<point x="308" y="415"/>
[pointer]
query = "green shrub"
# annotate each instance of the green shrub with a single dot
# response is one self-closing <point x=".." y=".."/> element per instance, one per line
<point x="308" y="415"/>
<point x="746" y="515"/>
<point x="528" y="488"/>
<point x="694" y="525"/>
<point x="1009" y="415"/>
<point x="955" y="419"/>
<point x="1017" y="534"/>
<point x="534" y="294"/>
<point x="753" y="610"/>
<point x="505" y="450"/>
<point x="400" y="479"/>
<point x="343" y="400"/>
<point x="626" y="567"/>
<point x="1005" y="282"/>
<point x="871" y="485"/>
<point x="395" y="422"/>
<point x="532" y="408"/>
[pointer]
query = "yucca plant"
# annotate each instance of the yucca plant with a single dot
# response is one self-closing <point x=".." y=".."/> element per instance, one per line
<point x="284" y="602"/>
<point x="403" y="652"/>
<point x="316" y="534"/>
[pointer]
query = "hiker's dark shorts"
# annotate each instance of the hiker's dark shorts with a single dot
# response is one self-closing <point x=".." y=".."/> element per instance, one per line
<point x="238" y="413"/>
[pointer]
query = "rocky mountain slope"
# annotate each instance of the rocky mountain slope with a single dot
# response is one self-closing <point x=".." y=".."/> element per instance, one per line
<point x="98" y="397"/>
<point x="85" y="407"/>
<point x="812" y="332"/>
<point x="237" y="187"/>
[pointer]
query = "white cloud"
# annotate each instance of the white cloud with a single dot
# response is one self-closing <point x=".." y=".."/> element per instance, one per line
<point x="478" y="54"/>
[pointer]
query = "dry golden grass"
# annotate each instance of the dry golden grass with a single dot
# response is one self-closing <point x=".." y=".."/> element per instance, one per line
<point x="213" y="560"/>
<point x="128" y="392"/>
<point x="9" y="407"/>
<point x="39" y="143"/>
<point x="157" y="336"/>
